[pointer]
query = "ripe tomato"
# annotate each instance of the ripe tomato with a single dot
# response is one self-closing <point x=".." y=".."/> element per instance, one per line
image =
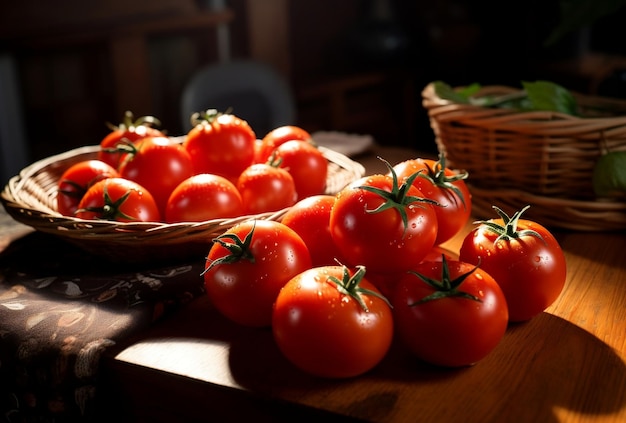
<point x="75" y="181"/>
<point x="449" y="313"/>
<point x="130" y="130"/>
<point x="443" y="185"/>
<point x="331" y="322"/>
<point x="307" y="166"/>
<point x="381" y="225"/>
<point x="248" y="265"/>
<point x="203" y="197"/>
<point x="222" y="144"/>
<point x="279" y="136"/>
<point x="523" y="257"/>
<point x="310" y="218"/>
<point x="118" y="199"/>
<point x="266" y="188"/>
<point x="158" y="164"/>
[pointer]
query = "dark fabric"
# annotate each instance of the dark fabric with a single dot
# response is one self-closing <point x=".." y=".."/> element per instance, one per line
<point x="60" y="310"/>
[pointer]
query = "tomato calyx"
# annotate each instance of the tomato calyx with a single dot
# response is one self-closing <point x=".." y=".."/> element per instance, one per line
<point x="398" y="197"/>
<point x="350" y="285"/>
<point x="209" y="116"/>
<point x="437" y="176"/>
<point x="446" y="287"/>
<point x="509" y="230"/>
<point x="111" y="209"/>
<point x="130" y="123"/>
<point x="238" y="249"/>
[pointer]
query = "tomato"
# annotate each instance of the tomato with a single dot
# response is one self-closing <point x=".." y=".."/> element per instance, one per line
<point x="130" y="130"/>
<point x="449" y="313"/>
<point x="387" y="280"/>
<point x="158" y="164"/>
<point x="279" y="136"/>
<point x="118" y="199"/>
<point x="331" y="322"/>
<point x="222" y="144"/>
<point x="75" y="181"/>
<point x="310" y="218"/>
<point x="382" y="225"/>
<point x="264" y="187"/>
<point x="306" y="164"/>
<point x="443" y="185"/>
<point x="523" y="257"/>
<point x="203" y="197"/>
<point x="248" y="265"/>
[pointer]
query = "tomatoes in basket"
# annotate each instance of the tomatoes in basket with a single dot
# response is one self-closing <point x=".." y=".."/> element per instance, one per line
<point x="118" y="199"/>
<point x="307" y="166"/>
<point x="265" y="187"/>
<point x="203" y="197"/>
<point x="310" y="218"/>
<point x="449" y="313"/>
<point x="129" y="131"/>
<point x="75" y="181"/>
<point x="279" y="136"/>
<point x="523" y="257"/>
<point x="383" y="225"/>
<point x="331" y="322"/>
<point x="445" y="186"/>
<point x="158" y="164"/>
<point x="220" y="143"/>
<point x="248" y="265"/>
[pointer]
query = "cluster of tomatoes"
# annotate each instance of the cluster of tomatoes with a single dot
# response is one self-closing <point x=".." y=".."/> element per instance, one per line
<point x="340" y="275"/>
<point x="219" y="170"/>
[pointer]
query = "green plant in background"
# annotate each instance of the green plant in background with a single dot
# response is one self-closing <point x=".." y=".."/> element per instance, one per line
<point x="538" y="95"/>
<point x="576" y="14"/>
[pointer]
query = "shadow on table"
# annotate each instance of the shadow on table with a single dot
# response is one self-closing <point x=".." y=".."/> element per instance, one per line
<point x="541" y="366"/>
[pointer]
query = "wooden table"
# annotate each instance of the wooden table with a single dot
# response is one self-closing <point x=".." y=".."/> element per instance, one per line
<point x="565" y="365"/>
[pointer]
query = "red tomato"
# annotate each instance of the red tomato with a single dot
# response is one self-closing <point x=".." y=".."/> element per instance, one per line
<point x="222" y="144"/>
<point x="310" y="218"/>
<point x="446" y="187"/>
<point x="279" y="136"/>
<point x="452" y="317"/>
<point x="331" y="322"/>
<point x="75" y="181"/>
<point x="306" y="164"/>
<point x="118" y="199"/>
<point x="158" y="164"/>
<point x="523" y="257"/>
<point x="266" y="188"/>
<point x="248" y="265"/>
<point x="383" y="226"/>
<point x="386" y="281"/>
<point x="130" y="130"/>
<point x="203" y="197"/>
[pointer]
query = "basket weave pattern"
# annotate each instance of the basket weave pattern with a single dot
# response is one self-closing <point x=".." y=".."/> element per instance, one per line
<point x="540" y="156"/>
<point x="30" y="198"/>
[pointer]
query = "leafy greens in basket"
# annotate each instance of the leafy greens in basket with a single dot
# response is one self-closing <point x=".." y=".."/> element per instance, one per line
<point x="538" y="95"/>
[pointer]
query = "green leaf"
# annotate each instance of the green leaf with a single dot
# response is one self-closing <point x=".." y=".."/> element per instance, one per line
<point x="545" y="95"/>
<point x="609" y="175"/>
<point x="462" y="96"/>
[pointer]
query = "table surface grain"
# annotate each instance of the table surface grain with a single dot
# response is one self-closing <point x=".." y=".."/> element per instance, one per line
<point x="566" y="365"/>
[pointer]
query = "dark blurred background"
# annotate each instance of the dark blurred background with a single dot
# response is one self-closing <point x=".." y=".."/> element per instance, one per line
<point x="354" y="65"/>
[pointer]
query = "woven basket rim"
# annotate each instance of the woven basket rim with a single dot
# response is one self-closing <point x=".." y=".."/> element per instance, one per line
<point x="432" y="102"/>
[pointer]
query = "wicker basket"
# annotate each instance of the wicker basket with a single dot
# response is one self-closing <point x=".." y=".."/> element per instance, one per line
<point x="541" y="158"/>
<point x="30" y="198"/>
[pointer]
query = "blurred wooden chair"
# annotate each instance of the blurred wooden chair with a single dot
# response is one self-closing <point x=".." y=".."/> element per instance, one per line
<point x="251" y="90"/>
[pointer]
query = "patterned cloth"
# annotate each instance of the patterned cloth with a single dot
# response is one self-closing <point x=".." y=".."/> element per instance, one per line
<point x="60" y="309"/>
